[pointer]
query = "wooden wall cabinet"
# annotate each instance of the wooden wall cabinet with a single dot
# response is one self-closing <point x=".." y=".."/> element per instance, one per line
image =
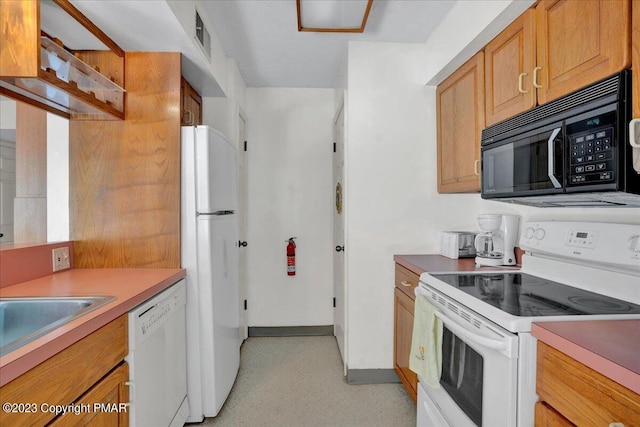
<point x="509" y="61"/>
<point x="36" y="68"/>
<point x="579" y="43"/>
<point x="90" y="371"/>
<point x="574" y="394"/>
<point x="404" y="299"/>
<point x="553" y="50"/>
<point x="460" y="120"/>
<point x="190" y="105"/>
<point x="124" y="195"/>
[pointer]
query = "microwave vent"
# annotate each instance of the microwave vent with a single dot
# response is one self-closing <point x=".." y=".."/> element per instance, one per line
<point x="202" y="35"/>
<point x="607" y="90"/>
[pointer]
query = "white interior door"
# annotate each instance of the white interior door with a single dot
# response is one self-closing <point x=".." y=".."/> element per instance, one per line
<point x="242" y="221"/>
<point x="7" y="189"/>
<point x="339" y="313"/>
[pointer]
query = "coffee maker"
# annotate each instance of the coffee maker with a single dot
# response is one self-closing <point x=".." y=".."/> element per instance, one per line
<point x="495" y="245"/>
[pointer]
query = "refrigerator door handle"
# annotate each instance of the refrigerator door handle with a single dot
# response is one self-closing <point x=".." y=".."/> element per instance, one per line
<point x="217" y="213"/>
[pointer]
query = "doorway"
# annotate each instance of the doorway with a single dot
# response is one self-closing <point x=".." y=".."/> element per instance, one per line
<point x="340" y="294"/>
<point x="242" y="221"/>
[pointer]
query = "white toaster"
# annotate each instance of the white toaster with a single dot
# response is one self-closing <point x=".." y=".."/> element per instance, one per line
<point x="457" y="244"/>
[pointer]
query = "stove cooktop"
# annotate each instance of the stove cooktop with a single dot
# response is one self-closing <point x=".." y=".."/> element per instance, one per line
<point x="522" y="294"/>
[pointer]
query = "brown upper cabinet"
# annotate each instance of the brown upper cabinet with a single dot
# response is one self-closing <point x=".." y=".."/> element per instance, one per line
<point x="553" y="50"/>
<point x="460" y="116"/>
<point x="509" y="61"/>
<point x="190" y="105"/>
<point x="55" y="58"/>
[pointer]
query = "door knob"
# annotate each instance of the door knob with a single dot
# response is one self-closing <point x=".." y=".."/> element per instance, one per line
<point x="242" y="243"/>
<point x="339" y="248"/>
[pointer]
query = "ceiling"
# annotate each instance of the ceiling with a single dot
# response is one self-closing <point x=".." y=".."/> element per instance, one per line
<point x="262" y="35"/>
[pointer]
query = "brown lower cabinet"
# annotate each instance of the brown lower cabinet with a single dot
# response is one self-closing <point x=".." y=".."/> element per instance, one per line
<point x="92" y="371"/>
<point x="571" y="394"/>
<point x="404" y="299"/>
<point x="105" y="404"/>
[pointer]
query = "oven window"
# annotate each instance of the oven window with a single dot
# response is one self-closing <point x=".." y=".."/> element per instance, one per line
<point x="462" y="374"/>
<point x="521" y="165"/>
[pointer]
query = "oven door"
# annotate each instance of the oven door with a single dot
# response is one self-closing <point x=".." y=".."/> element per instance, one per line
<point x="531" y="163"/>
<point x="478" y="384"/>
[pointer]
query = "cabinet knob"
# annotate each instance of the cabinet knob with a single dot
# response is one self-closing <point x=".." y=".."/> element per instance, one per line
<point x="190" y="117"/>
<point x="339" y="248"/>
<point x="405" y="283"/>
<point x="521" y="83"/>
<point x="242" y="243"/>
<point x="535" y="77"/>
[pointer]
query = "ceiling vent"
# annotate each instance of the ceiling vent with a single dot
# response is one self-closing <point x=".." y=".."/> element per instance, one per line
<point x="202" y="35"/>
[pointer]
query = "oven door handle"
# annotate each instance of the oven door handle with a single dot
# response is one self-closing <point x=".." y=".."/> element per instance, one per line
<point x="551" y="170"/>
<point x="470" y="335"/>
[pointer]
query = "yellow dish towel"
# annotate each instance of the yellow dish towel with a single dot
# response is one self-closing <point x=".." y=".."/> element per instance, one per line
<point x="425" y="358"/>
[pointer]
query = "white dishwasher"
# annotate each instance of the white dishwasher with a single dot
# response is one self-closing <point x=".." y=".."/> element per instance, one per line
<point x="158" y="360"/>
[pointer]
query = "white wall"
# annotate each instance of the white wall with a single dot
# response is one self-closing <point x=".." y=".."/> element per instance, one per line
<point x="391" y="198"/>
<point x="290" y="189"/>
<point x="222" y="113"/>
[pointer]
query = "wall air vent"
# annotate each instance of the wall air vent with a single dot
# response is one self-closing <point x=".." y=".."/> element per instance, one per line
<point x="202" y="35"/>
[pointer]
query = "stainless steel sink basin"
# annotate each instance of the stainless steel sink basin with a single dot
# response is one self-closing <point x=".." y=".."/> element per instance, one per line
<point x="24" y="319"/>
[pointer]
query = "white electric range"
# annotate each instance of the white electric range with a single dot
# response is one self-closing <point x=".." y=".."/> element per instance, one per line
<point x="570" y="271"/>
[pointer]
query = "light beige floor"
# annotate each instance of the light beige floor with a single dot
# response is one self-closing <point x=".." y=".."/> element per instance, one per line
<point x="298" y="381"/>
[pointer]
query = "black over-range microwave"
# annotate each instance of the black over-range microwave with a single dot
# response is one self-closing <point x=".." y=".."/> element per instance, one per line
<point x="573" y="151"/>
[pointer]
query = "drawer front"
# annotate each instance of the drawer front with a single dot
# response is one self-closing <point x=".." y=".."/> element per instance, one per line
<point x="406" y="280"/>
<point x="582" y="395"/>
<point x="546" y="416"/>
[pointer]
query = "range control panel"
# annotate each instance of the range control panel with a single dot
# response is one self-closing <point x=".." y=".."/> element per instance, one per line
<point x="592" y="157"/>
<point x="597" y="242"/>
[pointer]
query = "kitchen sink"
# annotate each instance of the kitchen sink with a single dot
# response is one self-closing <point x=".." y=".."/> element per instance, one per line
<point x="24" y="319"/>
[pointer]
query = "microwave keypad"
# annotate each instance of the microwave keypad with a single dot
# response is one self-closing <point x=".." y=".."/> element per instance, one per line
<point x="592" y="157"/>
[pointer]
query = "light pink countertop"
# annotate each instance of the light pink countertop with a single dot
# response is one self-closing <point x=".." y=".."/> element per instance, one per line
<point x="130" y="287"/>
<point x="610" y="347"/>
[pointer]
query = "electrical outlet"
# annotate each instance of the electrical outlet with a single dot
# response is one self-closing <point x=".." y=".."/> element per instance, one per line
<point x="60" y="258"/>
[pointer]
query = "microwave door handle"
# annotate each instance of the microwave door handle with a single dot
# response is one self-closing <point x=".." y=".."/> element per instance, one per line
<point x="634" y="133"/>
<point x="471" y="336"/>
<point x="551" y="159"/>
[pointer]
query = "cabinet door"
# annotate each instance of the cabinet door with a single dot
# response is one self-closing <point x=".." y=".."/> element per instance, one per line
<point x="547" y="417"/>
<point x="460" y="115"/>
<point x="583" y="396"/>
<point x="509" y="61"/>
<point x="190" y="104"/>
<point x="403" y="330"/>
<point x="580" y="42"/>
<point x="20" y="38"/>
<point x="105" y="404"/>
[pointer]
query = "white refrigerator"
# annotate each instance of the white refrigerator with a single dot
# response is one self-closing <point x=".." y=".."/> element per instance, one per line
<point x="210" y="256"/>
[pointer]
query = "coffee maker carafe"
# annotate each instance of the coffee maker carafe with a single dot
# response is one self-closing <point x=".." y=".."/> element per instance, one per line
<point x="495" y="245"/>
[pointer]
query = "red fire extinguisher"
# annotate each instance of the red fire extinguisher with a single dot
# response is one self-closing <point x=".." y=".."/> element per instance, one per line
<point x="291" y="257"/>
